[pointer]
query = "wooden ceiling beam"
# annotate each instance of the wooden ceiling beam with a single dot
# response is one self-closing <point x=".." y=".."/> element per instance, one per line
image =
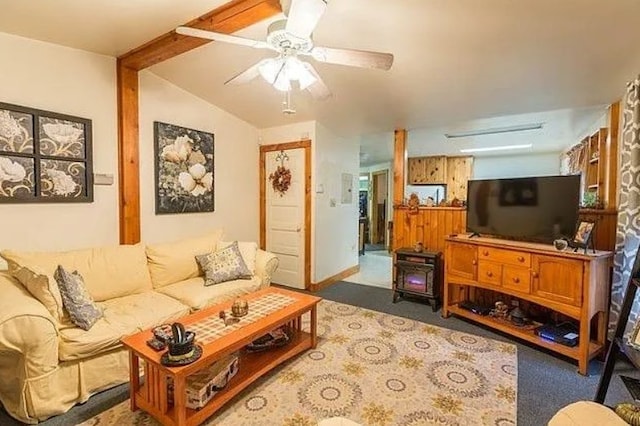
<point x="228" y="18"/>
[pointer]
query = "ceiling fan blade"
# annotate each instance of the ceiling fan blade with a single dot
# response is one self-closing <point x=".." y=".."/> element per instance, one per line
<point x="318" y="89"/>
<point x="225" y="38"/>
<point x="247" y="75"/>
<point x="304" y="16"/>
<point x="353" y="58"/>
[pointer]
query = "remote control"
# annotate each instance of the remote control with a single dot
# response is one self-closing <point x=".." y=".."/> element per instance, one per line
<point x="156" y="344"/>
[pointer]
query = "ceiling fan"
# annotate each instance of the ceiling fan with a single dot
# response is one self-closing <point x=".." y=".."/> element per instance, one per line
<point x="292" y="38"/>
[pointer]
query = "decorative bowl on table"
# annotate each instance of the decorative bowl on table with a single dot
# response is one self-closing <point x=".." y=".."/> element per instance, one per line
<point x="560" y="244"/>
<point x="239" y="308"/>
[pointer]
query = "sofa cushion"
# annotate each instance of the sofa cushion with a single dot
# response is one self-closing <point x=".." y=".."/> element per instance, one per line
<point x="44" y="288"/>
<point x="248" y="250"/>
<point x="82" y="310"/>
<point x="223" y="265"/>
<point x="193" y="293"/>
<point x="108" y="272"/>
<point x="123" y="316"/>
<point x="173" y="262"/>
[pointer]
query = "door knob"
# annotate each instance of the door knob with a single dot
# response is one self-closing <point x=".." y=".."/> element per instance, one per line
<point x="298" y="229"/>
<point x="474" y="262"/>
<point x="535" y="275"/>
<point x="520" y="259"/>
<point x="516" y="280"/>
<point x="489" y="274"/>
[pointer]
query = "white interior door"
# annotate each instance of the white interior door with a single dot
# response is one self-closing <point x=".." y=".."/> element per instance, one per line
<point x="285" y="217"/>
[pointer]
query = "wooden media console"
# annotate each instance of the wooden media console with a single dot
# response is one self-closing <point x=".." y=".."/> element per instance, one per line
<point x="570" y="283"/>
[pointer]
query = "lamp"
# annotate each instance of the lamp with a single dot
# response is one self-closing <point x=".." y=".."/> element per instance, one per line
<point x="280" y="72"/>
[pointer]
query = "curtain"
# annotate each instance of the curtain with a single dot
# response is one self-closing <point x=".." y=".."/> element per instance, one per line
<point x="628" y="230"/>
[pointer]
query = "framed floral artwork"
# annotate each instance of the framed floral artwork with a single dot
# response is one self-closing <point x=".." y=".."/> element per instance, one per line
<point x="183" y="169"/>
<point x="44" y="156"/>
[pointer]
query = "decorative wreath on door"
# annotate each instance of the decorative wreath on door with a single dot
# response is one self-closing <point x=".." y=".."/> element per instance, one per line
<point x="281" y="178"/>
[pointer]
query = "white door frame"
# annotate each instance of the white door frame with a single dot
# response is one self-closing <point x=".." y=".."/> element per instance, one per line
<point x="306" y="145"/>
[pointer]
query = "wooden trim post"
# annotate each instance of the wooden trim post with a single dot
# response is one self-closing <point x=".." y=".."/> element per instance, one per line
<point x="611" y="178"/>
<point x="399" y="165"/>
<point x="128" y="155"/>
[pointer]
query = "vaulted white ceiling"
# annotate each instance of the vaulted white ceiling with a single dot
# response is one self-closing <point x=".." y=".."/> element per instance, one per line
<point x="454" y="60"/>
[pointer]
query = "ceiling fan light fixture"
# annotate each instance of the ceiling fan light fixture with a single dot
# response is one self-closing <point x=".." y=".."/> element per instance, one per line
<point x="282" y="83"/>
<point x="269" y="69"/>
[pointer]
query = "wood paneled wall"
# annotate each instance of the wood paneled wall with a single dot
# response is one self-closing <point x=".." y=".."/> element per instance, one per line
<point x="430" y="225"/>
<point x="605" y="230"/>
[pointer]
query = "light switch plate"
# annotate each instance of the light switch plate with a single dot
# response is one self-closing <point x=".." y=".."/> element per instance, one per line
<point x="102" y="179"/>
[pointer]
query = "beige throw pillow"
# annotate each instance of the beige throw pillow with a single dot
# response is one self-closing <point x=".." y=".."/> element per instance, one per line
<point x="172" y="262"/>
<point x="41" y="286"/>
<point x="248" y="250"/>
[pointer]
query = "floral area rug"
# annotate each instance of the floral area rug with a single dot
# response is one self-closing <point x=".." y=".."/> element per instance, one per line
<point x="375" y="369"/>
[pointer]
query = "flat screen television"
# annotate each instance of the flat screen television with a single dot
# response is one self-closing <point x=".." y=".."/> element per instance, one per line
<point x="538" y="209"/>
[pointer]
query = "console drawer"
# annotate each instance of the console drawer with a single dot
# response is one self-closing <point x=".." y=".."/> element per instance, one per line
<point x="508" y="257"/>
<point x="516" y="278"/>
<point x="489" y="273"/>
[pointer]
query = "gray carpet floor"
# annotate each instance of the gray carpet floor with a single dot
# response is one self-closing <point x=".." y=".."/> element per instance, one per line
<point x="546" y="382"/>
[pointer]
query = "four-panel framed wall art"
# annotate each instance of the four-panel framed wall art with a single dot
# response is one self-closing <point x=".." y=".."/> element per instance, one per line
<point x="44" y="156"/>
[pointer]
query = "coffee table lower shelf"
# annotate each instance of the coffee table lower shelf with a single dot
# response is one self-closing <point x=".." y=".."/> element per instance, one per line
<point x="251" y="367"/>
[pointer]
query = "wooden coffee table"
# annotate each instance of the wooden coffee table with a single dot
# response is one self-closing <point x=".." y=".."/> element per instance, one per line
<point x="217" y="342"/>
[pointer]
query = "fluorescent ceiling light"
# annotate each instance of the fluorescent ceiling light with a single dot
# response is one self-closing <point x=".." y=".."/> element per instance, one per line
<point x="497" y="148"/>
<point x="495" y="130"/>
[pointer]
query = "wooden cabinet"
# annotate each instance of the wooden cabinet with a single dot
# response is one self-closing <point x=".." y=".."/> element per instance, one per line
<point x="573" y="284"/>
<point x="459" y="172"/>
<point x="416" y="170"/>
<point x="454" y="172"/>
<point x="463" y="260"/>
<point x="557" y="278"/>
<point x="427" y="170"/>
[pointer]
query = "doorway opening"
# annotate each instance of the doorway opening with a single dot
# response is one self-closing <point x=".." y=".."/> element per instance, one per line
<point x="375" y="227"/>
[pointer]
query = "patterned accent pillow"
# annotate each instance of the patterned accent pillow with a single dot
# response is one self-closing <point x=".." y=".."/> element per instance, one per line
<point x="223" y="265"/>
<point x="83" y="311"/>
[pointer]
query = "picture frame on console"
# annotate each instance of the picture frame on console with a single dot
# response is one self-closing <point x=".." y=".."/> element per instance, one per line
<point x="184" y="169"/>
<point x="583" y="238"/>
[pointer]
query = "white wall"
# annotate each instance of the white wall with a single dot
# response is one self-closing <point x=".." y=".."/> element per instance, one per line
<point x="334" y="233"/>
<point x="55" y="78"/>
<point x="336" y="224"/>
<point x="236" y="151"/>
<point x="289" y="133"/>
<point x="516" y="165"/>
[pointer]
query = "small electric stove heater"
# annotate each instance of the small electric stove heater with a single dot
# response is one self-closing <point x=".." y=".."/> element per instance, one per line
<point x="417" y="274"/>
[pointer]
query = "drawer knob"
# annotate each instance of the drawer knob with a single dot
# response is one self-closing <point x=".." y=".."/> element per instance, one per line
<point x="485" y="253"/>
<point x="489" y="273"/>
<point x="474" y="262"/>
<point x="520" y="259"/>
<point x="516" y="280"/>
<point x="535" y="275"/>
